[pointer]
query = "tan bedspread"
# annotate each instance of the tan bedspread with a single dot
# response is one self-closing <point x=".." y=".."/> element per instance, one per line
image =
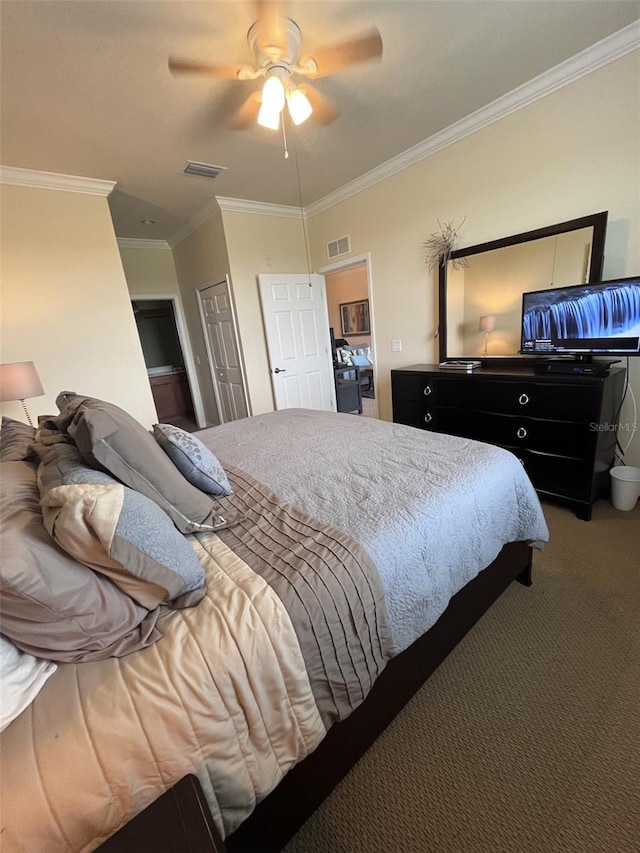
<point x="289" y="638"/>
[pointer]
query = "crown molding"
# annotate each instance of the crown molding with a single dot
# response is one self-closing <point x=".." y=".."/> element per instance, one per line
<point x="54" y="181"/>
<point x="263" y="208"/>
<point x="591" y="59"/>
<point x="135" y="243"/>
<point x="237" y="205"/>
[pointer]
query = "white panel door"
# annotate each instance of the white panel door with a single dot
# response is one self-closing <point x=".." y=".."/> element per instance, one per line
<point x="224" y="353"/>
<point x="294" y="309"/>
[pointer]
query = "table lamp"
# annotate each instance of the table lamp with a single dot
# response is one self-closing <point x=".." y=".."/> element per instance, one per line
<point x="19" y="380"/>
<point x="486" y="324"/>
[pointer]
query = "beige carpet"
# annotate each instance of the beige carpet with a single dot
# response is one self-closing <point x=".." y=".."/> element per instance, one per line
<point x="527" y="738"/>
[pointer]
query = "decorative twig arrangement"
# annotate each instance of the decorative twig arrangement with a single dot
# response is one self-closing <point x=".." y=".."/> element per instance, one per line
<point x="441" y="244"/>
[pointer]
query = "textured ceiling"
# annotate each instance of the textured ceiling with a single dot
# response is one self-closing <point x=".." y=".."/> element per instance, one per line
<point x="85" y="90"/>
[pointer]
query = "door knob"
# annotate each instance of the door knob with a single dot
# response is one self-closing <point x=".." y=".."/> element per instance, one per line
<point x="277" y="370"/>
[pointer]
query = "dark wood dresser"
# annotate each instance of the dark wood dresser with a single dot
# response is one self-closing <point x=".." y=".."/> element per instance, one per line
<point x="562" y="427"/>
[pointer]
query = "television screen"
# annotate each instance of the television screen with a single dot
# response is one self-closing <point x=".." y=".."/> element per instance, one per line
<point x="596" y="319"/>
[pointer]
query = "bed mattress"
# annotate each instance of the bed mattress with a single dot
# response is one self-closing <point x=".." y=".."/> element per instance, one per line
<point x="431" y="510"/>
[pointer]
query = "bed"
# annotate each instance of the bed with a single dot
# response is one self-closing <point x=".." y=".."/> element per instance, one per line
<point x="328" y="568"/>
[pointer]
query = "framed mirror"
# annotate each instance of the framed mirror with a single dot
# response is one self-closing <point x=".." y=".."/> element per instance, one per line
<point x="481" y="287"/>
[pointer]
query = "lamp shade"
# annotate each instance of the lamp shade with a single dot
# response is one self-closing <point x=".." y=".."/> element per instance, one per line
<point x="19" y="380"/>
<point x="268" y="118"/>
<point x="273" y="94"/>
<point x="487" y="323"/>
<point x="299" y="107"/>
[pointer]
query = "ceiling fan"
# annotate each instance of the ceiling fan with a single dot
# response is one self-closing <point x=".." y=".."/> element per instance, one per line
<point x="275" y="42"/>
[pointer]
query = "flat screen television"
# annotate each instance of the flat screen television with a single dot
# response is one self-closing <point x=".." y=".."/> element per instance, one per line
<point x="583" y="320"/>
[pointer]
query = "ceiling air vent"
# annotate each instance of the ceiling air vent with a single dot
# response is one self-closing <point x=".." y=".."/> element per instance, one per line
<point x="341" y="246"/>
<point x="203" y="170"/>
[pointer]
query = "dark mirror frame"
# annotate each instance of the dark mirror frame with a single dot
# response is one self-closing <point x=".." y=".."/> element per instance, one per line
<point x="597" y="221"/>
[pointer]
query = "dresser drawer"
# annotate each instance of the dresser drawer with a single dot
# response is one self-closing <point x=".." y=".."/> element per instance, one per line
<point x="559" y="475"/>
<point x="556" y="474"/>
<point x="562" y="438"/>
<point x="415" y="414"/>
<point x="413" y="387"/>
<point x="558" y="401"/>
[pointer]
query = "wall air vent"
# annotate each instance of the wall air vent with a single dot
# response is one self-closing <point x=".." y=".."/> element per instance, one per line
<point x="203" y="170"/>
<point x="341" y="246"/>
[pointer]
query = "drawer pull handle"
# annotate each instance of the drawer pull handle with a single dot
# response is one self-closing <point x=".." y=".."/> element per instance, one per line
<point x="427" y="390"/>
<point x="521" y="433"/>
<point x="523" y="399"/>
<point x="428" y="418"/>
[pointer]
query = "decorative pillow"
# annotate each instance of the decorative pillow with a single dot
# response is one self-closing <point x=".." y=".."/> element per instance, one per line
<point x="110" y="439"/>
<point x="344" y="356"/>
<point x="360" y="361"/>
<point x="16" y="441"/>
<point x="195" y="461"/>
<point x="52" y="606"/>
<point x="116" y="531"/>
<point x="22" y="677"/>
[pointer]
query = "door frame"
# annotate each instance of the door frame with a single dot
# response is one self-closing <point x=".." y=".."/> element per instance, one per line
<point x="210" y="360"/>
<point x="354" y="261"/>
<point x="185" y="346"/>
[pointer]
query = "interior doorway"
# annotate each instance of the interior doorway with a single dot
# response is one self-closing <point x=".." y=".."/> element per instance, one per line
<point x="168" y="360"/>
<point x="348" y="289"/>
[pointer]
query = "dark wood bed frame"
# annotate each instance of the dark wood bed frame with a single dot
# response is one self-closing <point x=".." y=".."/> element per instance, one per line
<point x="279" y="816"/>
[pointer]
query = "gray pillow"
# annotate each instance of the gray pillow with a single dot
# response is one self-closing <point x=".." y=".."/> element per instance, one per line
<point x="16" y="441"/>
<point x="116" y="531"/>
<point x="193" y="459"/>
<point x="109" y="438"/>
<point x="52" y="606"/>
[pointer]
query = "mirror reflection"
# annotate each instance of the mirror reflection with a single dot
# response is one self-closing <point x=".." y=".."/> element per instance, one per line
<point x="481" y="287"/>
<point x="484" y="299"/>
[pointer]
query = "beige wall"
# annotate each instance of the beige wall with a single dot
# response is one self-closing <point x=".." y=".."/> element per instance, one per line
<point x="201" y="259"/>
<point x="150" y="271"/>
<point x="65" y="303"/>
<point x="572" y="153"/>
<point x="259" y="243"/>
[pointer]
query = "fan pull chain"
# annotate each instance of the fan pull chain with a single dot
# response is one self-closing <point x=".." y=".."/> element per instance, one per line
<point x="284" y="140"/>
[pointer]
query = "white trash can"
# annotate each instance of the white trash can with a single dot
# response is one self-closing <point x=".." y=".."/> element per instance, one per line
<point x="625" y="486"/>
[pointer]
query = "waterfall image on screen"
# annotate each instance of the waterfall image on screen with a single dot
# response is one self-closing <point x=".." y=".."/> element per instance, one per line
<point x="594" y="318"/>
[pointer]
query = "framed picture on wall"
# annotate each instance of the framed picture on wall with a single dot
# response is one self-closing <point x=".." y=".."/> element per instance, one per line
<point x="355" y="317"/>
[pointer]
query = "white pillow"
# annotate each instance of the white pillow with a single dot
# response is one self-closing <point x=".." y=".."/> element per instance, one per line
<point x="22" y="677"/>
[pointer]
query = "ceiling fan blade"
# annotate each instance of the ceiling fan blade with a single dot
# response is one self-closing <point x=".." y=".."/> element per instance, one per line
<point x="363" y="48"/>
<point x="247" y="113"/>
<point x="212" y="69"/>
<point x="324" y="112"/>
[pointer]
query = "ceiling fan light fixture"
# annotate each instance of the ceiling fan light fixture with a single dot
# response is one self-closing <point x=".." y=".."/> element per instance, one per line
<point x="269" y="118"/>
<point x="299" y="107"/>
<point x="273" y="94"/>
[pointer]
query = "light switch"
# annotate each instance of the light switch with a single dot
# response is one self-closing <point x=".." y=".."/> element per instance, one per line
<point x="396" y="346"/>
